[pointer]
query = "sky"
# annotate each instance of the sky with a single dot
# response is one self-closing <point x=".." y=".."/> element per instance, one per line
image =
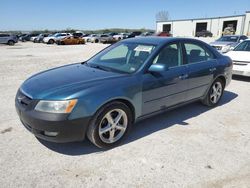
<point x="97" y="14"/>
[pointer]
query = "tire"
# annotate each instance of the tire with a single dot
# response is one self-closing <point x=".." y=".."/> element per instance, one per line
<point x="96" y="41"/>
<point x="51" y="41"/>
<point x="214" y="94"/>
<point x="100" y="129"/>
<point x="11" y="43"/>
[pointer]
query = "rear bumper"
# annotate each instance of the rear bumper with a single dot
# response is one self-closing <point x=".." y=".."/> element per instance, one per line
<point x="40" y="124"/>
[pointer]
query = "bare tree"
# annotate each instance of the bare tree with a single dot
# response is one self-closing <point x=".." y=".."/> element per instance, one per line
<point x="162" y="16"/>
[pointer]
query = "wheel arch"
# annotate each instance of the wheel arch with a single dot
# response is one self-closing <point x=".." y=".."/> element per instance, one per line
<point x="127" y="102"/>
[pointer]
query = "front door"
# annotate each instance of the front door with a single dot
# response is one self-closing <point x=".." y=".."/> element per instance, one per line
<point x="166" y="88"/>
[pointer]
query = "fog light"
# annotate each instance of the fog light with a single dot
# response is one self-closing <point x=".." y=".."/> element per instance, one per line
<point x="47" y="133"/>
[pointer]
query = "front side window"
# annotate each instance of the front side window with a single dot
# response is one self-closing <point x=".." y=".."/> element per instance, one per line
<point x="244" y="46"/>
<point x="196" y="53"/>
<point x="125" y="57"/>
<point x="169" y="56"/>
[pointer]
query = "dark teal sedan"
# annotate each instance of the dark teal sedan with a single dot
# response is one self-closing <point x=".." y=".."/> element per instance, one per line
<point x="131" y="80"/>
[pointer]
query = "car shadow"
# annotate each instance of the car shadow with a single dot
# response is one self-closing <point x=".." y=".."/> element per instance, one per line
<point x="241" y="78"/>
<point x="142" y="128"/>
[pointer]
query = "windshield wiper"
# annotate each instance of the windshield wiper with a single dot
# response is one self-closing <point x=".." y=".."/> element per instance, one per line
<point x="100" y="67"/>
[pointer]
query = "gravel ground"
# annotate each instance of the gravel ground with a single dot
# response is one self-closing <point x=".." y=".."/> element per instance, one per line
<point x="193" y="146"/>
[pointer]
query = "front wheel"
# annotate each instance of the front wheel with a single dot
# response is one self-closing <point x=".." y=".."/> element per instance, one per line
<point x="215" y="93"/>
<point x="110" y="125"/>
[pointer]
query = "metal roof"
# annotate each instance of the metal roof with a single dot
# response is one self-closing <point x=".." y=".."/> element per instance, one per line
<point x="209" y="18"/>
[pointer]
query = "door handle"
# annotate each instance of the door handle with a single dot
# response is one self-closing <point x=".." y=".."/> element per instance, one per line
<point x="183" y="76"/>
<point x="212" y="69"/>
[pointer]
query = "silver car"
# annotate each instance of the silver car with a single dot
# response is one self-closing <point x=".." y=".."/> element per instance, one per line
<point x="103" y="38"/>
<point x="8" y="39"/>
<point x="228" y="42"/>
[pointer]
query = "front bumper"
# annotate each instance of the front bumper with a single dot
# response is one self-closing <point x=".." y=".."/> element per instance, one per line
<point x="40" y="123"/>
<point x="241" y="68"/>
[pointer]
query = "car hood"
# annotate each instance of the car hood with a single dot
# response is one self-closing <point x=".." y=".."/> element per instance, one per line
<point x="221" y="43"/>
<point x="239" y="55"/>
<point x="63" y="82"/>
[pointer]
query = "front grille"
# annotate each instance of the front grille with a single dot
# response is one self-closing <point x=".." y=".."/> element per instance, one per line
<point x="23" y="99"/>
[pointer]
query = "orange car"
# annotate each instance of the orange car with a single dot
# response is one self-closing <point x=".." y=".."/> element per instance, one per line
<point x="71" y="40"/>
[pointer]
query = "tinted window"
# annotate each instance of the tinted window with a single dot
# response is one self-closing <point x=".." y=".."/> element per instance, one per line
<point x="228" y="39"/>
<point x="170" y="56"/>
<point x="196" y="53"/>
<point x="4" y="35"/>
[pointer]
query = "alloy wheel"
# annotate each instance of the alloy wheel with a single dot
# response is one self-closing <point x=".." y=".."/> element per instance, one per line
<point x="113" y="126"/>
<point x="216" y="92"/>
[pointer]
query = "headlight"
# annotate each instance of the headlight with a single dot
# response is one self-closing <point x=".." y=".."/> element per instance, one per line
<point x="56" y="106"/>
<point x="226" y="48"/>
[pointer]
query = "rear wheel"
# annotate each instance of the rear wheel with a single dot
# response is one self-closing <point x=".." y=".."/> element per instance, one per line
<point x="11" y="42"/>
<point x="215" y="93"/>
<point x="96" y="40"/>
<point x="110" y="125"/>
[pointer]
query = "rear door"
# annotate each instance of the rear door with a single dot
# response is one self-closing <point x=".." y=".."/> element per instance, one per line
<point x="201" y="64"/>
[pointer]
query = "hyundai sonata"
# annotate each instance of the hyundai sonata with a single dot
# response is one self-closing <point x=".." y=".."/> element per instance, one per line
<point x="131" y="80"/>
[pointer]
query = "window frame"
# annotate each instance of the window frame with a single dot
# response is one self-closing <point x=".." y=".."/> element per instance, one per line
<point x="204" y="47"/>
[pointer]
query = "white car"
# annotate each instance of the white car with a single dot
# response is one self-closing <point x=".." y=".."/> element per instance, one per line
<point x="241" y="58"/>
<point x="89" y="37"/>
<point x="33" y="38"/>
<point x="120" y="36"/>
<point x="51" y="39"/>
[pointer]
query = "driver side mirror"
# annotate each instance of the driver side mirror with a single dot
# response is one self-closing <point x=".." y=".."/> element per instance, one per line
<point x="157" y="68"/>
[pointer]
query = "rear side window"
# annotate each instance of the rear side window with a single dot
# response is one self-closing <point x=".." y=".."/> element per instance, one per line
<point x="4" y="35"/>
<point x="197" y="53"/>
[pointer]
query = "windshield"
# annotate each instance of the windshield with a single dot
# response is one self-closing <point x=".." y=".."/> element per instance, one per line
<point x="244" y="46"/>
<point x="228" y="39"/>
<point x="123" y="57"/>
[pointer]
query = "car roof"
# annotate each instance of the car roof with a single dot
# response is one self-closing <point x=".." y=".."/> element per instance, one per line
<point x="158" y="40"/>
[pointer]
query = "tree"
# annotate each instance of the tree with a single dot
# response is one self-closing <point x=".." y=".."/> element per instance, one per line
<point x="162" y="16"/>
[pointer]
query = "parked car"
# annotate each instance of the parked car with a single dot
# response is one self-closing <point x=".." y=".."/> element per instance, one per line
<point x="89" y="37"/>
<point x="27" y="37"/>
<point x="40" y="38"/>
<point x="33" y="38"/>
<point x="146" y="34"/>
<point x="53" y="38"/>
<point x="78" y="34"/>
<point x="229" y="31"/>
<point x="163" y="34"/>
<point x="8" y="39"/>
<point x="134" y="34"/>
<point x="241" y="58"/>
<point x="120" y="36"/>
<point x="204" y="33"/>
<point x="225" y="43"/>
<point x="103" y="97"/>
<point x="71" y="40"/>
<point x="102" y="38"/>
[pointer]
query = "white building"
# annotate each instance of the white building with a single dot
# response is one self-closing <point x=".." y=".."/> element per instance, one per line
<point x="216" y="25"/>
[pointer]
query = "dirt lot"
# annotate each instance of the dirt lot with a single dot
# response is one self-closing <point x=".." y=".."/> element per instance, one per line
<point x="193" y="146"/>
